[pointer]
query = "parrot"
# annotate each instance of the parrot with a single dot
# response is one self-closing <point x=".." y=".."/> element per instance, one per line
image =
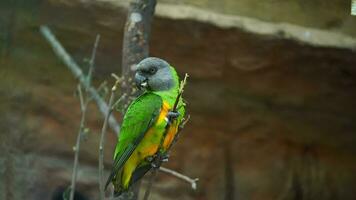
<point x="149" y="125"/>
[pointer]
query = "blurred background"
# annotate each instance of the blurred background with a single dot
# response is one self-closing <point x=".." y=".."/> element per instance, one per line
<point x="271" y="94"/>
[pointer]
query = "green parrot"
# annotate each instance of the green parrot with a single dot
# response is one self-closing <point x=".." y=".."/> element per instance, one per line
<point x="149" y="125"/>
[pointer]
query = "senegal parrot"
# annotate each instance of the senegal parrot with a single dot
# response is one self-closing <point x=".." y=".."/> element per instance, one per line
<point x="149" y="125"/>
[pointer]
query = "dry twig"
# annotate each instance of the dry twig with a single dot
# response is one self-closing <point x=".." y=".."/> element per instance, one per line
<point x="83" y="108"/>
<point x="102" y="140"/>
<point x="192" y="181"/>
<point x="92" y="60"/>
<point x="154" y="173"/>
<point x="76" y="148"/>
<point x="150" y="183"/>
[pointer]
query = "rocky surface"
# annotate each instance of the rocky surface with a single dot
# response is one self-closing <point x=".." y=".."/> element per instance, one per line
<point x="324" y="14"/>
<point x="271" y="118"/>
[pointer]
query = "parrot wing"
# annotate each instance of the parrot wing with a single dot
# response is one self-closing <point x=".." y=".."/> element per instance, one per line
<point x="139" y="117"/>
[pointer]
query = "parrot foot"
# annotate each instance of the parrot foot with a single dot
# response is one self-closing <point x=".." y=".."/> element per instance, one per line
<point x="164" y="157"/>
<point x="157" y="159"/>
<point x="155" y="166"/>
<point x="171" y="115"/>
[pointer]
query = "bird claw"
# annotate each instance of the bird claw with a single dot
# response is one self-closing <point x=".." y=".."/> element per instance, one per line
<point x="154" y="166"/>
<point x="157" y="159"/>
<point x="164" y="157"/>
<point x="171" y="115"/>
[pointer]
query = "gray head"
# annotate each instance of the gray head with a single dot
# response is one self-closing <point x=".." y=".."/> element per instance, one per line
<point x="154" y="74"/>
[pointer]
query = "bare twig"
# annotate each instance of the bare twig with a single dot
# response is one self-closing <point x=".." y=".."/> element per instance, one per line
<point x="76" y="148"/>
<point x="192" y="181"/>
<point x="92" y="60"/>
<point x="184" y="121"/>
<point x="102" y="141"/>
<point x="118" y="101"/>
<point x="149" y="186"/>
<point x="77" y="72"/>
<point x="180" y="91"/>
<point x="83" y="108"/>
<point x="175" y="107"/>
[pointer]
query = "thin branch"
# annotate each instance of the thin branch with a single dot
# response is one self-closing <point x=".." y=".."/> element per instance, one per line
<point x="81" y="98"/>
<point x="78" y="73"/>
<point x="92" y="59"/>
<point x="192" y="181"/>
<point x="150" y="183"/>
<point x="180" y="91"/>
<point x="76" y="148"/>
<point x="118" y="101"/>
<point x="102" y="142"/>
<point x="175" y="107"/>
<point x="83" y="108"/>
<point x="158" y="158"/>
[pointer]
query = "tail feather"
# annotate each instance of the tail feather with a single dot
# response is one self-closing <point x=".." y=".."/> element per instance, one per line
<point x="137" y="174"/>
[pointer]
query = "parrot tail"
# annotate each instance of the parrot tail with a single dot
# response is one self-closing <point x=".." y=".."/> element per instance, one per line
<point x="137" y="174"/>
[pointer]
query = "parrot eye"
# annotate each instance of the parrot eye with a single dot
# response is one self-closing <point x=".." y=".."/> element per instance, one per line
<point x="152" y="70"/>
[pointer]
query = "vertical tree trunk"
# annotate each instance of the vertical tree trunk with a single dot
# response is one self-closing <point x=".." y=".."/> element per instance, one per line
<point x="135" y="43"/>
<point x="135" y="48"/>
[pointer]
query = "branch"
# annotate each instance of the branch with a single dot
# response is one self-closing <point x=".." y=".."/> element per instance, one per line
<point x="83" y="108"/>
<point x="77" y="72"/>
<point x="92" y="60"/>
<point x="158" y="157"/>
<point x="180" y="91"/>
<point x="149" y="186"/>
<point x="136" y="41"/>
<point x="184" y="121"/>
<point x="192" y="181"/>
<point x="102" y="142"/>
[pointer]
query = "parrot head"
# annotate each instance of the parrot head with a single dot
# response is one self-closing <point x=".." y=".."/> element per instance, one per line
<point x="154" y="74"/>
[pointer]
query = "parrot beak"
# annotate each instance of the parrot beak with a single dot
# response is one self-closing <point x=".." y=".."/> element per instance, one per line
<point x="141" y="81"/>
<point x="143" y="84"/>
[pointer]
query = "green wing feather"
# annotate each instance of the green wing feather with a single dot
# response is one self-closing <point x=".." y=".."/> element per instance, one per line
<point x="139" y="117"/>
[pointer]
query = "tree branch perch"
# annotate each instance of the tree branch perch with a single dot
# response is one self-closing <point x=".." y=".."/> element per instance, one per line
<point x="102" y="141"/>
<point x="192" y="181"/>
